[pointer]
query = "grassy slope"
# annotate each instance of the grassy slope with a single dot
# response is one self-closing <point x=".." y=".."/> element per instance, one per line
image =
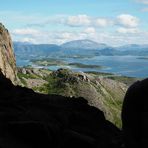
<point x="102" y="90"/>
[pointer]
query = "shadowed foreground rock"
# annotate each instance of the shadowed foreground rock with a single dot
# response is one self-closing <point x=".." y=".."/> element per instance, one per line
<point x="135" y="115"/>
<point x="31" y="120"/>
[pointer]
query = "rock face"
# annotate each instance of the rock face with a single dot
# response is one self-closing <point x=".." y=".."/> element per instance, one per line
<point x="104" y="91"/>
<point x="7" y="58"/>
<point x="135" y="115"/>
<point x="101" y="92"/>
<point x="32" y="120"/>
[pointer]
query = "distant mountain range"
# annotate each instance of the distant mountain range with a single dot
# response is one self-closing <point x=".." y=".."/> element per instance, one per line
<point x="28" y="50"/>
<point x="133" y="47"/>
<point x="83" y="44"/>
<point x="77" y="48"/>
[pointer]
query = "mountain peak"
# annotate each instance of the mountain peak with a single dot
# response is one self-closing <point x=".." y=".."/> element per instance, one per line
<point x="83" y="44"/>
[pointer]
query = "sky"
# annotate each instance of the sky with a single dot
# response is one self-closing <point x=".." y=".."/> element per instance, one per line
<point x="114" y="22"/>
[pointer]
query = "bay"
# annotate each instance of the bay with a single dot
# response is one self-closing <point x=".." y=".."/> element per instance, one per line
<point x="132" y="66"/>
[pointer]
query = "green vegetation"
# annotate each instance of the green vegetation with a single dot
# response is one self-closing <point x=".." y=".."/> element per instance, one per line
<point x="42" y="89"/>
<point x="53" y="86"/>
<point x="27" y="76"/>
<point x="95" y="73"/>
<point x="103" y="90"/>
<point x="48" y="62"/>
<point x="143" y="58"/>
<point x="80" y="65"/>
<point x="55" y="62"/>
<point x="123" y="79"/>
<point x="60" y="82"/>
<point x="77" y="56"/>
<point x="126" y="80"/>
<point x="21" y="77"/>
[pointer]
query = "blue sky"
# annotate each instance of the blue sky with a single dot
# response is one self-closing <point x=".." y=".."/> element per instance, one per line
<point x="114" y="22"/>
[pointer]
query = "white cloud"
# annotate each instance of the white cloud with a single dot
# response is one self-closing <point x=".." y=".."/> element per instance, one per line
<point x="26" y="31"/>
<point x="30" y="40"/>
<point x="62" y="37"/>
<point x="145" y="10"/>
<point x="80" y="20"/>
<point x="84" y="20"/>
<point x="127" y="20"/>
<point x="102" y="22"/>
<point x="119" y="30"/>
<point x="73" y="21"/>
<point x="143" y="1"/>
<point x="90" y="30"/>
<point x="114" y="38"/>
<point x="66" y="35"/>
<point x="127" y="30"/>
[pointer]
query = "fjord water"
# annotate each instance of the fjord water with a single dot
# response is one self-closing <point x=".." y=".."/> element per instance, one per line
<point x="132" y="66"/>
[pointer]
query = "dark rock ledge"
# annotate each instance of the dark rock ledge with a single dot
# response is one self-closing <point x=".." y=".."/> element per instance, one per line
<point x="32" y="120"/>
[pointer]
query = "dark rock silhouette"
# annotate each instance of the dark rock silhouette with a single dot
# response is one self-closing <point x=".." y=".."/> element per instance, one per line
<point x="135" y="115"/>
<point x="32" y="120"/>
